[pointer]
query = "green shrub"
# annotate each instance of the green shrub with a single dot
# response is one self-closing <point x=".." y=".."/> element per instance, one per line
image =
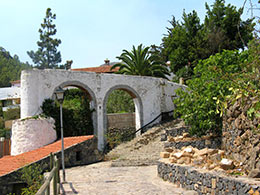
<point x="33" y="177"/>
<point x="211" y="79"/>
<point x="2" y="123"/>
<point x="76" y="113"/>
<point x="11" y="114"/>
<point x="120" y="101"/>
<point x="5" y="133"/>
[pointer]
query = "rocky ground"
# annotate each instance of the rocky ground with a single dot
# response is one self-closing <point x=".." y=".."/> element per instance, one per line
<point x="143" y="150"/>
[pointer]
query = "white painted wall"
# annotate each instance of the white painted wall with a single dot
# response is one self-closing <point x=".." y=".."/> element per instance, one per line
<point x="152" y="95"/>
<point x="30" y="134"/>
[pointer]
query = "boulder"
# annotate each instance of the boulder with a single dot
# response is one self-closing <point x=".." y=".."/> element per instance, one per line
<point x="226" y="164"/>
<point x="170" y="150"/>
<point x="164" y="154"/>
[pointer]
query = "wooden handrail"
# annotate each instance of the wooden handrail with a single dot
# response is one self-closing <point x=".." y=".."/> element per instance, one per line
<point x="54" y="174"/>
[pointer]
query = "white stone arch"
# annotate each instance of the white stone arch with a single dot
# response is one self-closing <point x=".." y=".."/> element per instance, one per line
<point x="137" y="102"/>
<point x="91" y="95"/>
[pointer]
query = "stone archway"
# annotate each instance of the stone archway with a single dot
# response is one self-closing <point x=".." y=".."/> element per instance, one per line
<point x="90" y="94"/>
<point x="137" y="102"/>
<point x="151" y="95"/>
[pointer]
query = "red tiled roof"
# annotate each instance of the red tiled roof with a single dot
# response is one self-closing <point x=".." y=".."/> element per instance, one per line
<point x="100" y="69"/>
<point x="12" y="163"/>
<point x="15" y="82"/>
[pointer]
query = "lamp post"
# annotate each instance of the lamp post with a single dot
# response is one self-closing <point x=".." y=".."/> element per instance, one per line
<point x="60" y="97"/>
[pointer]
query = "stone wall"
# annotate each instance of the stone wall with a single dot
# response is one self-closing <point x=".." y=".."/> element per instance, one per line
<point x="240" y="138"/>
<point x="121" y="120"/>
<point x="173" y="137"/>
<point x="206" y="182"/>
<point x="80" y="154"/>
<point x="200" y="143"/>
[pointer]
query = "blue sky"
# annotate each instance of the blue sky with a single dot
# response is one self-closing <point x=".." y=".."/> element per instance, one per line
<point x="93" y="30"/>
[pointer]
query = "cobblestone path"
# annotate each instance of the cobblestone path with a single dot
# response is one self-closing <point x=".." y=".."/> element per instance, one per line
<point x="102" y="179"/>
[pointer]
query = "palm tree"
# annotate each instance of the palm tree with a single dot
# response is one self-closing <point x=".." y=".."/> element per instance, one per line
<point x="141" y="62"/>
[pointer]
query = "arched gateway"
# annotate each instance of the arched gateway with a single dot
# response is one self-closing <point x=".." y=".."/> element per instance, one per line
<point x="151" y="95"/>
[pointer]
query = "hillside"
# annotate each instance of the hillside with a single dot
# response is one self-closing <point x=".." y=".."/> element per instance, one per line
<point x="10" y="68"/>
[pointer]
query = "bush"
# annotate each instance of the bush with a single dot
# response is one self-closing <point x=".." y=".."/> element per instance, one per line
<point x="211" y="79"/>
<point x="33" y="177"/>
<point x="12" y="114"/>
<point x="76" y="113"/>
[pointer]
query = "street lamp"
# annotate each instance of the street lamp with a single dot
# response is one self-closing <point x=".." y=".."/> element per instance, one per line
<point x="60" y="97"/>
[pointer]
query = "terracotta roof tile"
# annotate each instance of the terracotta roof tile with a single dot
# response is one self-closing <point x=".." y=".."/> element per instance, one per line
<point x="12" y="163"/>
<point x="15" y="82"/>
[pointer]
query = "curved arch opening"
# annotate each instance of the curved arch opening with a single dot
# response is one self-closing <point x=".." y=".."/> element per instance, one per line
<point x="123" y="114"/>
<point x="79" y="110"/>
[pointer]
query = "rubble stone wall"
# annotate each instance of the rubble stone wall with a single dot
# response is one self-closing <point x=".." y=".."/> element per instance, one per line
<point x="206" y="182"/>
<point x="212" y="142"/>
<point x="240" y="139"/>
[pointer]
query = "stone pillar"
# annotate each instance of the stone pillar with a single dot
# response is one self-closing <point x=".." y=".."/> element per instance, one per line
<point x="138" y="123"/>
<point x="30" y="86"/>
<point x="101" y="131"/>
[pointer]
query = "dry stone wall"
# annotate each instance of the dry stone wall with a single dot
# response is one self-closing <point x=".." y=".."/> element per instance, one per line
<point x="240" y="138"/>
<point x="206" y="182"/>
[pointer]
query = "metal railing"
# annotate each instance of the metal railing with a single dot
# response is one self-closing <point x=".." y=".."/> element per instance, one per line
<point x="142" y="129"/>
<point x="53" y="175"/>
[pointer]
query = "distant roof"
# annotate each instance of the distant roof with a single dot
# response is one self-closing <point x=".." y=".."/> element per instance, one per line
<point x="101" y="69"/>
<point x="15" y="82"/>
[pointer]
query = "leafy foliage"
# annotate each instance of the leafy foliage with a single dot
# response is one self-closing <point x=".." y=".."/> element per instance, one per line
<point x="140" y="62"/>
<point x="32" y="176"/>
<point x="212" y="79"/>
<point x="222" y="24"/>
<point x="11" y="114"/>
<point x="76" y="113"/>
<point x="245" y="86"/>
<point x="10" y="68"/>
<point x="47" y="55"/>
<point x="120" y="101"/>
<point x="188" y="41"/>
<point x="184" y="44"/>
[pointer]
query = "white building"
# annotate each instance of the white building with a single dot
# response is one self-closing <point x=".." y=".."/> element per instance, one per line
<point x="10" y="96"/>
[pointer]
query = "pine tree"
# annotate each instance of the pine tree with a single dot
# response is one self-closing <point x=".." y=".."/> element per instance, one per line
<point x="47" y="55"/>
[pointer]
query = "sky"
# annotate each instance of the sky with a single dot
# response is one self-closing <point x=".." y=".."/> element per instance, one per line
<point x="93" y="30"/>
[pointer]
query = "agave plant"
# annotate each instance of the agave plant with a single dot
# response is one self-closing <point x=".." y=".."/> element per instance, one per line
<point x="141" y="62"/>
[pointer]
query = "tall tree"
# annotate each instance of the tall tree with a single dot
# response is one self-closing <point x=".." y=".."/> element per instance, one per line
<point x="141" y="62"/>
<point x="225" y="29"/>
<point x="188" y="41"/>
<point x="47" y="55"/>
<point x="184" y="43"/>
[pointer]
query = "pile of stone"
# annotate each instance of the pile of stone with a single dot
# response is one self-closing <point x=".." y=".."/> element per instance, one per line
<point x="205" y="158"/>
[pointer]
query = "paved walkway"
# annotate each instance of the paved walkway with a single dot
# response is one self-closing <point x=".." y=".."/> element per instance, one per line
<point x="102" y="179"/>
